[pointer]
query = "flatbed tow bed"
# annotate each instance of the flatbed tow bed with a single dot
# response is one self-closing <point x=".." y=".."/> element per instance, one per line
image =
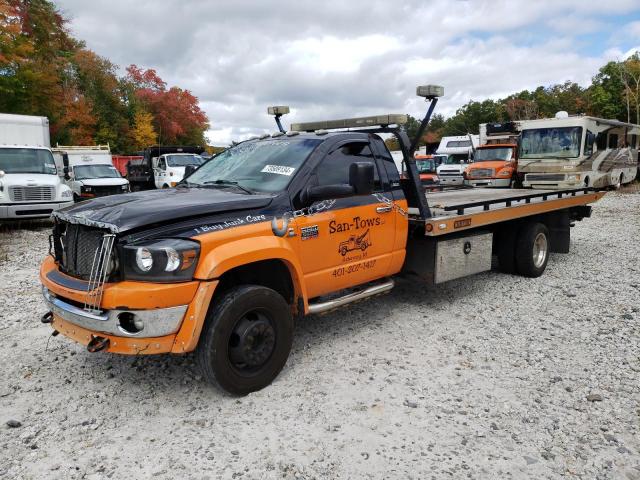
<point x="464" y="209"/>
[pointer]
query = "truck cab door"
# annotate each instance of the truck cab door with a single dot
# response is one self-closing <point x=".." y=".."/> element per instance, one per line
<point x="348" y="241"/>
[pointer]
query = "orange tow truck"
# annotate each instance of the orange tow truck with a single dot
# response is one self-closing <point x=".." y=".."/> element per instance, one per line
<point x="426" y="166"/>
<point x="273" y="229"/>
<point x="495" y="161"/>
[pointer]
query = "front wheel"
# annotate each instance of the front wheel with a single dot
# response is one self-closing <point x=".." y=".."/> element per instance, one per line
<point x="246" y="339"/>
<point x="532" y="250"/>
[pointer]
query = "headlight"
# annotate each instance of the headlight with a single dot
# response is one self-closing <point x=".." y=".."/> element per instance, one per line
<point x="573" y="178"/>
<point x="66" y="194"/>
<point x="124" y="187"/>
<point x="85" y="189"/>
<point x="504" y="173"/>
<point x="166" y="260"/>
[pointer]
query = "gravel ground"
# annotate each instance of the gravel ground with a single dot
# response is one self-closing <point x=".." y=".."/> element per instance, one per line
<point x="493" y="376"/>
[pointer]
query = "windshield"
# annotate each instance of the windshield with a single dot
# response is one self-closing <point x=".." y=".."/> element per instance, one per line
<point x="84" y="172"/>
<point x="426" y="166"/>
<point x="184" y="160"/>
<point x="551" y="142"/>
<point x="27" y="160"/>
<point x="261" y="165"/>
<point x="484" y="154"/>
<point x="456" y="159"/>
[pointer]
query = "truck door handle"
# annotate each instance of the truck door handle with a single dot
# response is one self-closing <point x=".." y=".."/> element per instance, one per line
<point x="386" y="209"/>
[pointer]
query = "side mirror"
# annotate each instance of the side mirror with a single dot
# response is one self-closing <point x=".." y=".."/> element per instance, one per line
<point x="189" y="169"/>
<point x="361" y="177"/>
<point x="66" y="173"/>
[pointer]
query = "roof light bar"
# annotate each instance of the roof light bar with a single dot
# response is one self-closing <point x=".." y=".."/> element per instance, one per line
<point x="360" y="122"/>
<point x="430" y="91"/>
<point x="278" y="110"/>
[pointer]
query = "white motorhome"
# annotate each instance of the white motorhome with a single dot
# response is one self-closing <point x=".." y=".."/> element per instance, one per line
<point x="169" y="169"/>
<point x="89" y="171"/>
<point x="577" y="151"/>
<point x="29" y="183"/>
<point x="456" y="153"/>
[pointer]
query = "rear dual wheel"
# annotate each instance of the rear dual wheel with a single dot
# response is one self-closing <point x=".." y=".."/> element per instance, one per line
<point x="524" y="250"/>
<point x="246" y="339"/>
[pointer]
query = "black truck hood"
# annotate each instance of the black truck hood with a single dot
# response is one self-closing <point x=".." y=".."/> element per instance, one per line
<point x="121" y="213"/>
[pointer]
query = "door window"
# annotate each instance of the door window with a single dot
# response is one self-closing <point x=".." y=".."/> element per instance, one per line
<point x="334" y="169"/>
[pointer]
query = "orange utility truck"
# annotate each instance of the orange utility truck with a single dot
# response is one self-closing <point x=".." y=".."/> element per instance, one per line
<point x="495" y="161"/>
<point x="276" y="228"/>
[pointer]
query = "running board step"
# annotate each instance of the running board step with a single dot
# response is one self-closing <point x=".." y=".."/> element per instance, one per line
<point x="321" y="307"/>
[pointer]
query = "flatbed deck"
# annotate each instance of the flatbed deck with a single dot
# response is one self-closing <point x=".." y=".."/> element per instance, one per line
<point x="464" y="209"/>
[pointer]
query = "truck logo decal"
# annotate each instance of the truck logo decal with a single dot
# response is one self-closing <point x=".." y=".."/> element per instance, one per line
<point x="462" y="223"/>
<point x="281" y="231"/>
<point x="356" y="223"/>
<point x="307" y="233"/>
<point x="355" y="242"/>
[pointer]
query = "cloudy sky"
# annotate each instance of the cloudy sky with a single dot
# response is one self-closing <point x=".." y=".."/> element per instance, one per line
<point x="339" y="58"/>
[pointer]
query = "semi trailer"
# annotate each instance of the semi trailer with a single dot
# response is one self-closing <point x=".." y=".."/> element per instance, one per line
<point x="273" y="229"/>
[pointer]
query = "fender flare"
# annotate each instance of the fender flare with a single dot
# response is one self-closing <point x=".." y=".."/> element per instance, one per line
<point x="243" y="252"/>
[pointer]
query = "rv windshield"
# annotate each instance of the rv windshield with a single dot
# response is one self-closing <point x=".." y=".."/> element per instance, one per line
<point x="184" y="160"/>
<point x="486" y="154"/>
<point x="561" y="142"/>
<point x="85" y="172"/>
<point x="456" y="159"/>
<point x="27" y="160"/>
<point x="260" y="165"/>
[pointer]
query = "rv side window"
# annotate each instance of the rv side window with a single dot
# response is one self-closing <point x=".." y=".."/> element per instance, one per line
<point x="634" y="141"/>
<point x="602" y="141"/>
<point x="588" y="144"/>
<point x="613" y="140"/>
<point x="334" y="169"/>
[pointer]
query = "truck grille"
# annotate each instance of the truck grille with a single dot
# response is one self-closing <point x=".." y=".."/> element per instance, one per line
<point x="76" y="248"/>
<point x="545" y="177"/>
<point x="451" y="173"/>
<point x="103" y="191"/>
<point x="31" y="194"/>
<point x="481" y="173"/>
<point x="86" y="253"/>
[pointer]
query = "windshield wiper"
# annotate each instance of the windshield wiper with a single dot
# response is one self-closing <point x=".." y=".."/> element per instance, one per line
<point x="230" y="183"/>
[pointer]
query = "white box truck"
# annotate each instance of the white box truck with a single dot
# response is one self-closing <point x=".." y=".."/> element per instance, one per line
<point x="29" y="183"/>
<point x="89" y="171"/>
<point x="457" y="152"/>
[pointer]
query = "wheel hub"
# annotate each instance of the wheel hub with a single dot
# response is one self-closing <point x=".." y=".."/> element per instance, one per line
<point x="539" y="250"/>
<point x="252" y="341"/>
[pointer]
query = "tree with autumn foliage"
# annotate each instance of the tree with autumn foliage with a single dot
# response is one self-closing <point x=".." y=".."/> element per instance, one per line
<point x="143" y="134"/>
<point x="45" y="71"/>
<point x="176" y="115"/>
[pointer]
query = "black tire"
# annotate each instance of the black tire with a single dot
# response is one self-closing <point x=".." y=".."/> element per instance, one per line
<point x="244" y="308"/>
<point x="76" y="198"/>
<point x="532" y="250"/>
<point x="506" y="248"/>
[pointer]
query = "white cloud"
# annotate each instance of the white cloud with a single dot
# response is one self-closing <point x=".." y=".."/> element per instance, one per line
<point x="339" y="59"/>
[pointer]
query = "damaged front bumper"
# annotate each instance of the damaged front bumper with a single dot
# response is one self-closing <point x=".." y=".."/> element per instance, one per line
<point x="133" y="317"/>
<point x="126" y="323"/>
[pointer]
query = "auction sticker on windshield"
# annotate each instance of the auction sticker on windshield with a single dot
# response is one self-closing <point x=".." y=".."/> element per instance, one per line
<point x="279" y="169"/>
